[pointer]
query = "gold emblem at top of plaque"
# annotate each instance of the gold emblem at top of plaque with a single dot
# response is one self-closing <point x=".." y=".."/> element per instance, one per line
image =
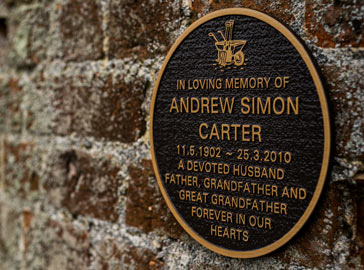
<point x="229" y="51"/>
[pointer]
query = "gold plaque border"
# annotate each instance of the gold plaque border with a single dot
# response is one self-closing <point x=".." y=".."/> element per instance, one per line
<point x="326" y="123"/>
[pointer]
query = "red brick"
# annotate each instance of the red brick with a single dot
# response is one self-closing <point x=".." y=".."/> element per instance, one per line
<point x="27" y="219"/>
<point x="314" y="246"/>
<point x="24" y="105"/>
<point x="9" y="236"/>
<point x="81" y="34"/>
<point x="133" y="31"/>
<point x="344" y="84"/>
<point x="282" y="10"/>
<point x="334" y="23"/>
<point x="84" y="185"/>
<point x="145" y="207"/>
<point x="11" y="97"/>
<point x="111" y="255"/>
<point x="55" y="245"/>
<point x="104" y="108"/>
<point x="28" y="33"/>
<point x="20" y="169"/>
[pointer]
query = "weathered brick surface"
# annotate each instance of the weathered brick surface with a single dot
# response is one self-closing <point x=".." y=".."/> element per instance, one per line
<point x="21" y="168"/>
<point x="145" y="207"/>
<point x="50" y="244"/>
<point x="28" y="32"/>
<point x="283" y="10"/>
<point x="83" y="184"/>
<point x="332" y="224"/>
<point x="111" y="255"/>
<point x="132" y="31"/>
<point x="80" y="30"/>
<point x="24" y="105"/>
<point x="10" y="225"/>
<point x="36" y="112"/>
<point x="11" y="95"/>
<point x="346" y="84"/>
<point x="30" y="241"/>
<point x="98" y="104"/>
<point x="335" y="23"/>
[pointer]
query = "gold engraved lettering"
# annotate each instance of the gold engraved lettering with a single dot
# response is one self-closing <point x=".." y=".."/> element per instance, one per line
<point x="280" y="82"/>
<point x="180" y="165"/>
<point x="182" y="180"/>
<point x="264" y="189"/>
<point x="205" y="104"/>
<point x="266" y="108"/>
<point x="209" y="167"/>
<point x="219" y="184"/>
<point x="173" y="105"/>
<point x="212" y="214"/>
<point x="243" y="104"/>
<point x="213" y="105"/>
<point x="238" y="186"/>
<point x="204" y="84"/>
<point x="292" y="106"/>
<point x="240" y="219"/>
<point x="235" y="132"/>
<point x="258" y="172"/>
<point x="202" y="136"/>
<point x="247" y="203"/>
<point x="266" y="80"/>
<point x="246" y="83"/>
<point x="260" y="222"/>
<point x="277" y="105"/>
<point x="230" y="233"/>
<point x="294" y="193"/>
<point x="193" y="196"/>
<point x="225" y="128"/>
<point x="181" y="84"/>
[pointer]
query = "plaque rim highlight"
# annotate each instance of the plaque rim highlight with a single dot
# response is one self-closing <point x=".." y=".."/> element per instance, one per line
<point x="300" y="47"/>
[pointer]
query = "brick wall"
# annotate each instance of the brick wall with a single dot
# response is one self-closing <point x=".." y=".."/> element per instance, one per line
<point x="77" y="189"/>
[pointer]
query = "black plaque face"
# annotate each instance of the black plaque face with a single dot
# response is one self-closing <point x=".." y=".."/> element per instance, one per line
<point x="240" y="133"/>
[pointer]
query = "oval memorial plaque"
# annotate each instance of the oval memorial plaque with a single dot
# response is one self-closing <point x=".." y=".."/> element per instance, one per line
<point x="240" y="132"/>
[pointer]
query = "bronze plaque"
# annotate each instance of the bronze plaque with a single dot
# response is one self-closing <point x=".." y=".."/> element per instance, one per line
<point x="240" y="132"/>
